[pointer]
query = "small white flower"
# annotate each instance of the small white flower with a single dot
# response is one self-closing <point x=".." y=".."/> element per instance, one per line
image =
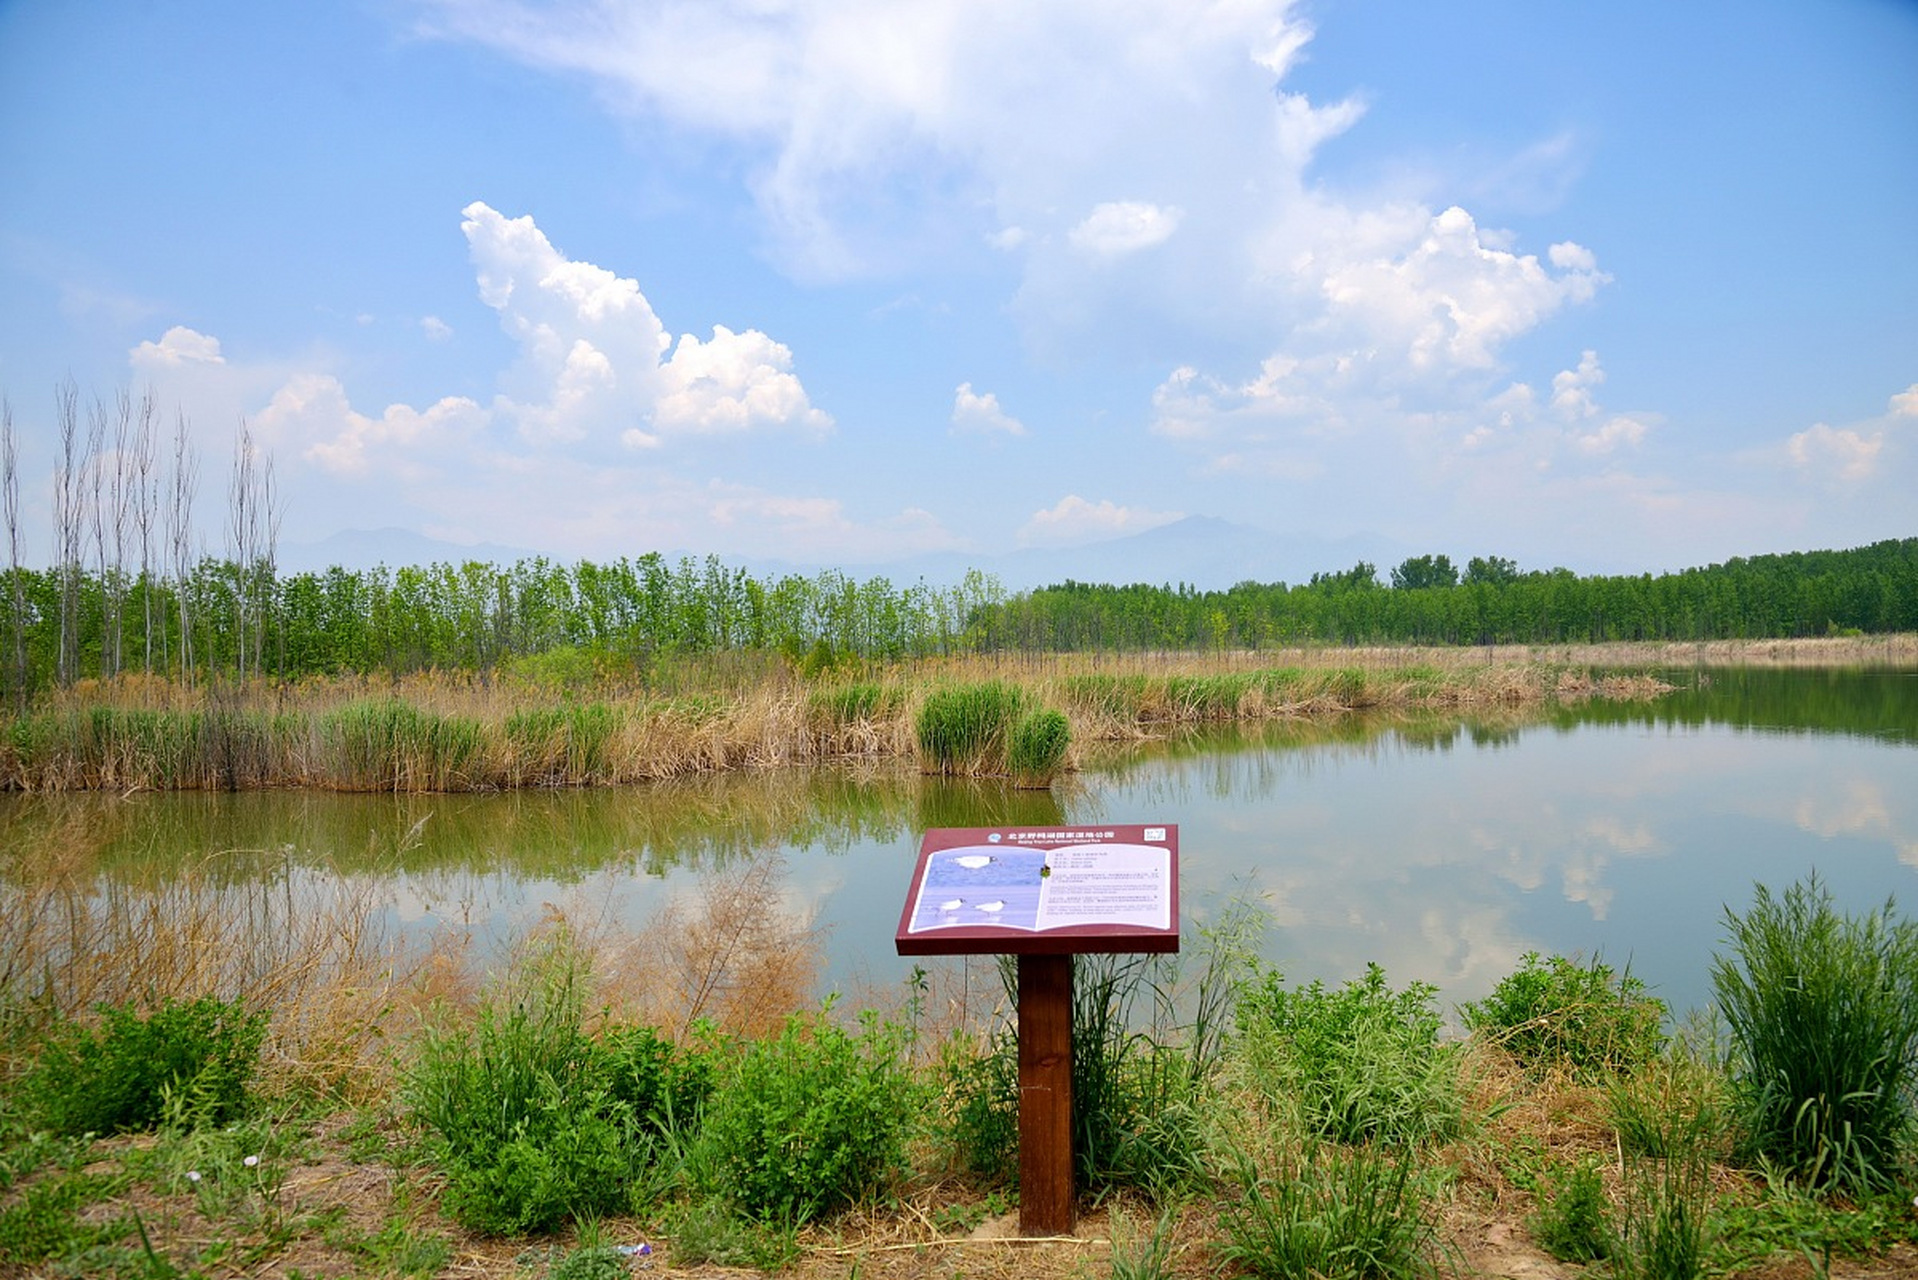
<point x="192" y="1175"/>
<point x="250" y="1161"/>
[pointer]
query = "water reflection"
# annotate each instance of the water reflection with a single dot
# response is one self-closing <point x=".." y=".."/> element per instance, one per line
<point x="1442" y="848"/>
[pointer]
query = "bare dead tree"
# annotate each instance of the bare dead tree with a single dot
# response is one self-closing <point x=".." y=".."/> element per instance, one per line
<point x="98" y="418"/>
<point x="253" y="529"/>
<point x="69" y="526"/>
<point x="118" y="465"/>
<point x="145" y="500"/>
<point x="184" y="485"/>
<point x="10" y="484"/>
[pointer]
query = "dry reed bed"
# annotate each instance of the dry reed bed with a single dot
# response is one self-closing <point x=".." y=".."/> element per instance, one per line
<point x="436" y="734"/>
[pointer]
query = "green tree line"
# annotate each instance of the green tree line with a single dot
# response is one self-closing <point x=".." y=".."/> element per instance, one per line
<point x="225" y="617"/>
<point x="1871" y="589"/>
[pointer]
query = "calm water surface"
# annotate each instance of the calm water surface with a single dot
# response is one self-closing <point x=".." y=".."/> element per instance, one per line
<point x="1444" y="850"/>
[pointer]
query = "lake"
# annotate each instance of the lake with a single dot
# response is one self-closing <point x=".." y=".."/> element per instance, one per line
<point x="1442" y="848"/>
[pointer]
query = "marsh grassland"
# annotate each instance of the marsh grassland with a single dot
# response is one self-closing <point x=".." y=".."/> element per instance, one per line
<point x="206" y="1074"/>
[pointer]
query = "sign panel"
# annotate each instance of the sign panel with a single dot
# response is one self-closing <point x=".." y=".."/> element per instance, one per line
<point x="1043" y="891"/>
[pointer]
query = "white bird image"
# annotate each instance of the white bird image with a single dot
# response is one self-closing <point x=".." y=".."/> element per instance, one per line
<point x="952" y="904"/>
<point x="973" y="861"/>
<point x="992" y="906"/>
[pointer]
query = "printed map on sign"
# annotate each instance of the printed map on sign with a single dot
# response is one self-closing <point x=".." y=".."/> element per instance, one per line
<point x="1033" y="889"/>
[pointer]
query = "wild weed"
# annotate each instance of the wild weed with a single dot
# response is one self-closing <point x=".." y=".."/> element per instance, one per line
<point x="1572" y="1223"/>
<point x="198" y="1055"/>
<point x="1360" y="1064"/>
<point x="1823" y="1009"/>
<point x="1330" y="1212"/>
<point x="811" y="1120"/>
<point x="1561" y="1013"/>
<point x="522" y="1106"/>
<point x="1144" y="1252"/>
<point x="1662" y="1223"/>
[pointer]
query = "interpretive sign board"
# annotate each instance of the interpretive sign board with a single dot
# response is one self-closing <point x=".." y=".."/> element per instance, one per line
<point x="1043" y="894"/>
<point x="1043" y="891"/>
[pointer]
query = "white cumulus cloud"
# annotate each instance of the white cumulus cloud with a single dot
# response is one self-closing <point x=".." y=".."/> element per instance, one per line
<point x="1841" y="454"/>
<point x="177" y="346"/>
<point x="973" y="412"/>
<point x="1120" y="227"/>
<point x="593" y="354"/>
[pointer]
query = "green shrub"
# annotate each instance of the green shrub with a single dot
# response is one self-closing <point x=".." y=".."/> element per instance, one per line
<point x="1038" y="747"/>
<point x="1571" y="1223"/>
<point x="1332" y="1213"/>
<point x="200" y="1054"/>
<point x="1361" y="1063"/>
<point x="811" y="1120"/>
<point x="527" y="1114"/>
<point x="1561" y="1013"/>
<point x="663" y="1085"/>
<point x="1823" y="1011"/>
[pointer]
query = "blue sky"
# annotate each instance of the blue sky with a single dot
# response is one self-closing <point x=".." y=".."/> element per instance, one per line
<point x="1618" y="287"/>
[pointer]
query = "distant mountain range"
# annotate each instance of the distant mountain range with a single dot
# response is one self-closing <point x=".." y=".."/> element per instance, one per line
<point x="1200" y="551"/>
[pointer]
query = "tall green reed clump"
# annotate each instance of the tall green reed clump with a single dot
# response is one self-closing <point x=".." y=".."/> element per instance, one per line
<point x="991" y="728"/>
<point x="1823" y="1012"/>
<point x="963" y="729"/>
<point x="533" y="1121"/>
<point x="1037" y="750"/>
<point x="1362" y="1063"/>
<point x="391" y="745"/>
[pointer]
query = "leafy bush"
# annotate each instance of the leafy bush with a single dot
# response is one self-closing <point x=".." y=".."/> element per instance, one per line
<point x="200" y="1054"/>
<point x="1571" y="1223"/>
<point x="534" y="1121"/>
<point x="1361" y="1063"/>
<point x="1333" y="1213"/>
<point x="1561" y="1013"/>
<point x="1823" y="1010"/>
<point x="664" y="1085"/>
<point x="811" y="1120"/>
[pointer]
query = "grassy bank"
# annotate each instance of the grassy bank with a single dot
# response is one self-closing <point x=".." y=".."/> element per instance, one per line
<point x="197" y="1083"/>
<point x="461" y="734"/>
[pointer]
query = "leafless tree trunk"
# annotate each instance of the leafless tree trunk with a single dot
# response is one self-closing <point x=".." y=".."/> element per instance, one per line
<point x="145" y="499"/>
<point x="253" y="532"/>
<point x="185" y="484"/>
<point x="69" y="526"/>
<point x="10" y="483"/>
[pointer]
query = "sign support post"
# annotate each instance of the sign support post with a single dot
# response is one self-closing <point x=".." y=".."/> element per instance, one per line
<point x="1044" y="895"/>
<point x="1046" y="1206"/>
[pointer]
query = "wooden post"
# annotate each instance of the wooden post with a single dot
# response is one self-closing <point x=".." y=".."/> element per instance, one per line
<point x="1046" y="1205"/>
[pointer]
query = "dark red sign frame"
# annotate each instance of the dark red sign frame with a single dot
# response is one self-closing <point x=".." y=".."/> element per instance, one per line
<point x="981" y="939"/>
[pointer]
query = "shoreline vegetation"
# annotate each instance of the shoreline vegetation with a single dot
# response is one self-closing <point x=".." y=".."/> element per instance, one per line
<point x="454" y="732"/>
<point x="431" y="733"/>
<point x="201" y="1083"/>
